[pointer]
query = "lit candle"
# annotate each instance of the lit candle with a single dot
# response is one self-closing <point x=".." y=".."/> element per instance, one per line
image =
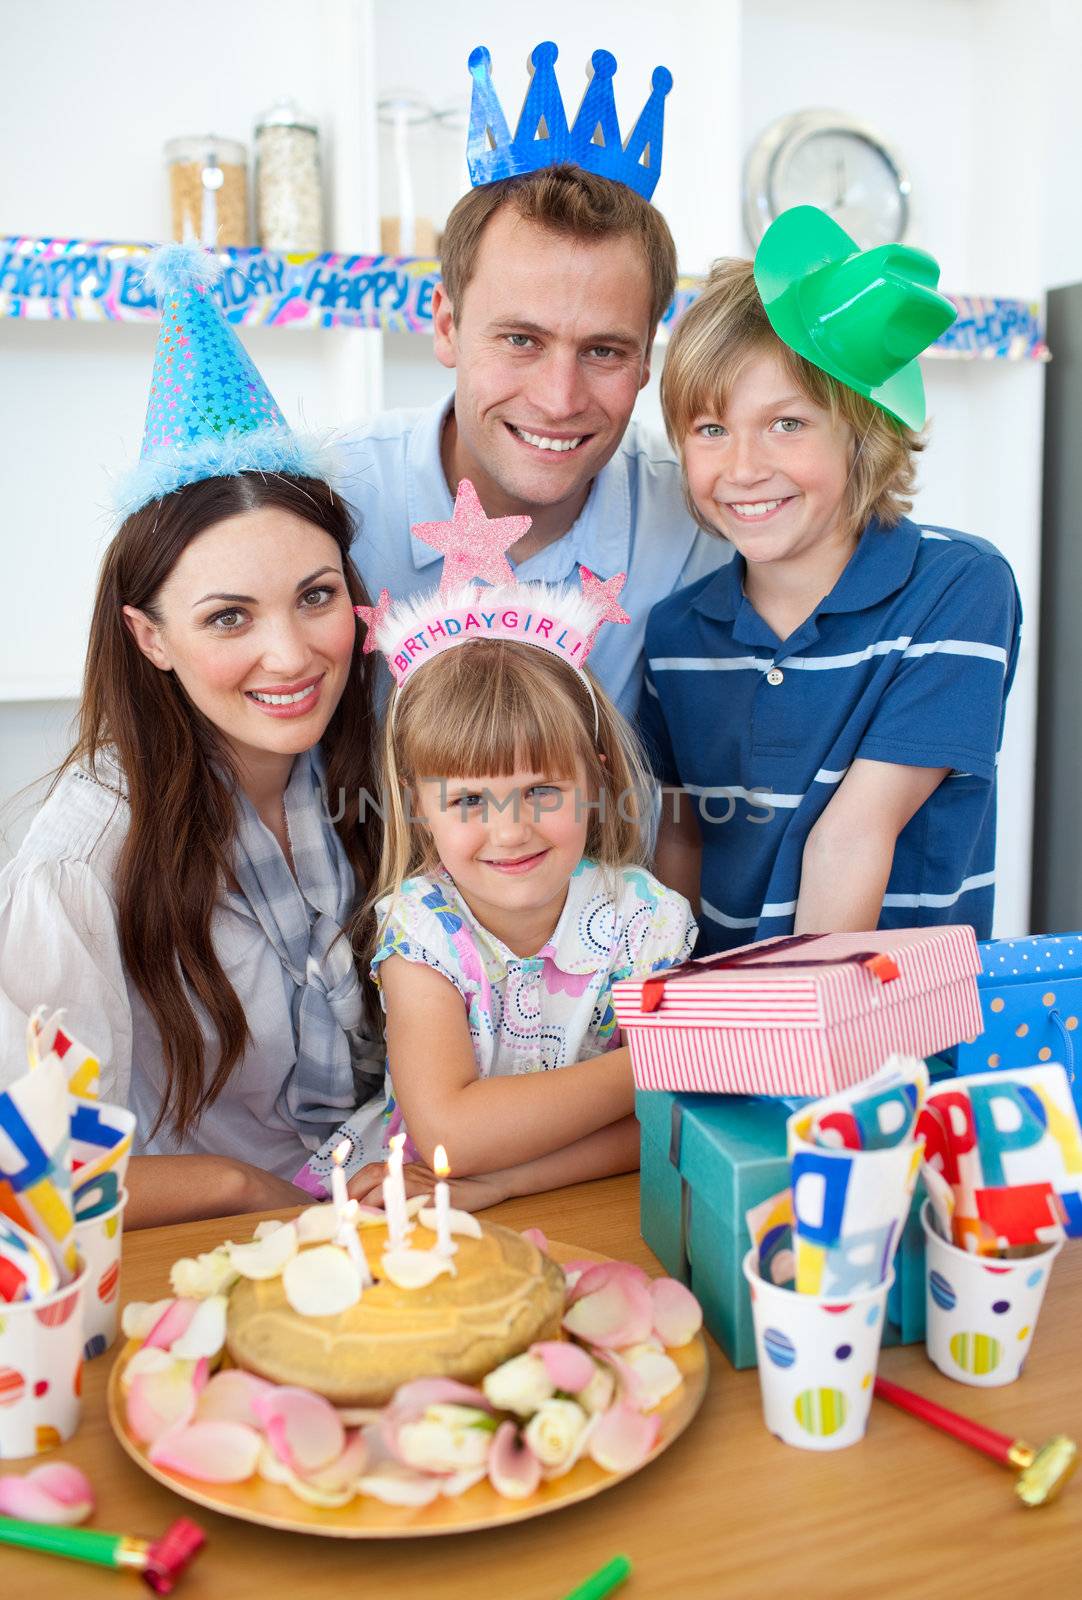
<point x="339" y="1192"/>
<point x="445" y="1245"/>
<point x="394" y="1196"/>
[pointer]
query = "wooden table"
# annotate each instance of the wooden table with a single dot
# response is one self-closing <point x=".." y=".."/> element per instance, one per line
<point x="728" y="1513"/>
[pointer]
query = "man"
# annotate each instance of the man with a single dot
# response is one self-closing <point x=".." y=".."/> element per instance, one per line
<point x="554" y="283"/>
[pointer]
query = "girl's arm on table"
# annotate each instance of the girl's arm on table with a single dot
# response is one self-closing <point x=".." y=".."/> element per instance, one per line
<point x="486" y="1124"/>
<point x="602" y="1154"/>
<point x="168" y="1189"/>
<point x="678" y="858"/>
<point x="850" y="850"/>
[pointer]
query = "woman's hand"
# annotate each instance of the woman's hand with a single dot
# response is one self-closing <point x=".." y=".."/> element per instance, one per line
<point x="467" y="1194"/>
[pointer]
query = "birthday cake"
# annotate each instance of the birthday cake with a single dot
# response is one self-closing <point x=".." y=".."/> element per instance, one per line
<point x="504" y="1294"/>
<point x="354" y="1353"/>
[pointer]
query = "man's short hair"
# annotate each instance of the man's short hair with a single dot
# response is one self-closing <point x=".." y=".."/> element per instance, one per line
<point x="566" y="200"/>
<point x="725" y="328"/>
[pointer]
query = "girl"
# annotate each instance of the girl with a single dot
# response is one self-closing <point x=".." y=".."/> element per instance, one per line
<point x="510" y="898"/>
<point x="181" y="892"/>
<point x="825" y="711"/>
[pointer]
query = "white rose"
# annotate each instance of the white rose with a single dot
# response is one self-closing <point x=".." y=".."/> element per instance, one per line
<point x="520" y="1385"/>
<point x="598" y="1393"/>
<point x="447" y="1438"/>
<point x="209" y="1274"/>
<point x="553" y="1433"/>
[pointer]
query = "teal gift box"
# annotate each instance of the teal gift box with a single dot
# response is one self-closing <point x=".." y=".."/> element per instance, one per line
<point x="705" y="1161"/>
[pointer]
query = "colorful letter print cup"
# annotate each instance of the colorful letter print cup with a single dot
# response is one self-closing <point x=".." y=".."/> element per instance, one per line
<point x="99" y="1245"/>
<point x="817" y="1359"/>
<point x="41" y="1362"/>
<point x="982" y="1310"/>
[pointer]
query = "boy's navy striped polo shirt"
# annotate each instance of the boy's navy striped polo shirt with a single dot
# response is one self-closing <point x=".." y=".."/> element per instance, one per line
<point x="908" y="659"/>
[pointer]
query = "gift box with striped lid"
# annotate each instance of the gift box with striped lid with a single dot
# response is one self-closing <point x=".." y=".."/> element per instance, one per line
<point x="803" y="1015"/>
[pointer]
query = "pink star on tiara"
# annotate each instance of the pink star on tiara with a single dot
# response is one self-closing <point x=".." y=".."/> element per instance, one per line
<point x="472" y="544"/>
<point x="604" y="595"/>
<point x="373" y="618"/>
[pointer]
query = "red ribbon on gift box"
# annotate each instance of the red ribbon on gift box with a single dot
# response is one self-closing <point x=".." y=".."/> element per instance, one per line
<point x="877" y="962"/>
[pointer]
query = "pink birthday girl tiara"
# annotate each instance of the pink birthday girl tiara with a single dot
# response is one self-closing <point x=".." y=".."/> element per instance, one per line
<point x="478" y="598"/>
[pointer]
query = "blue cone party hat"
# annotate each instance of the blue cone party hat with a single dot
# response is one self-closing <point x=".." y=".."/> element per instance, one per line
<point x="210" y="414"/>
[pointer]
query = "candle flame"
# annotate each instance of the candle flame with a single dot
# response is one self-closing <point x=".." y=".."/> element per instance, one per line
<point x="440" y="1164"/>
<point x="340" y="1152"/>
<point x="397" y="1141"/>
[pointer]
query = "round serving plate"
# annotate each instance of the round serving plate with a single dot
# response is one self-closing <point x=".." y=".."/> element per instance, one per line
<point x="275" y="1506"/>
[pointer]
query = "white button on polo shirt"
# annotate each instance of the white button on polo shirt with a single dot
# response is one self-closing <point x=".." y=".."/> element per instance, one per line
<point x="775" y="676"/>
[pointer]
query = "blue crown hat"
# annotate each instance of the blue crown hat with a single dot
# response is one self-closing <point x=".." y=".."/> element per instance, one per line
<point x="543" y="137"/>
<point x="210" y="414"/>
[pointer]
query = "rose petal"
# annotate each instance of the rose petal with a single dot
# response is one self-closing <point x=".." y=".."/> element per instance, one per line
<point x="657" y="1373"/>
<point x="139" y="1316"/>
<point x="161" y="1401"/>
<point x="266" y="1257"/>
<point x="321" y="1282"/>
<point x="568" y="1365"/>
<point x="619" y="1313"/>
<point x="345" y="1469"/>
<point x="205" y="1334"/>
<point x="262" y="1229"/>
<point x="415" y="1269"/>
<point x="678" y="1316"/>
<point x="56" y="1492"/>
<point x="269" y="1467"/>
<point x="457" y="1483"/>
<point x="599" y="1274"/>
<point x="463" y="1222"/>
<point x="513" y="1469"/>
<point x="228" y="1397"/>
<point x="536" y="1238"/>
<point x="212" y="1452"/>
<point x="304" y="1430"/>
<point x="171" y="1324"/>
<point x="632" y="1389"/>
<point x="317" y="1224"/>
<point x="142" y="1362"/>
<point x="396" y="1485"/>
<point x="623" y="1439"/>
<point x="413" y="1205"/>
<point x="418" y="1394"/>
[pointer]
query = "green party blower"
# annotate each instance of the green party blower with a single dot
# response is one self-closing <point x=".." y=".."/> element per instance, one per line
<point x="159" y="1562"/>
<point x="603" y="1581"/>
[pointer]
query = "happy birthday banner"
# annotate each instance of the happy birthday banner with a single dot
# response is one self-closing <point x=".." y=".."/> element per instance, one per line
<point x="69" y="280"/>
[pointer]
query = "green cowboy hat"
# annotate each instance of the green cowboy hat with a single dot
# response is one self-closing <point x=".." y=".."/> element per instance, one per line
<point x="863" y="316"/>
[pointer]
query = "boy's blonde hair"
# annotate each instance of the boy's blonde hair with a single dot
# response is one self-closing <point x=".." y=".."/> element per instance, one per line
<point x="725" y="328"/>
<point x="487" y="709"/>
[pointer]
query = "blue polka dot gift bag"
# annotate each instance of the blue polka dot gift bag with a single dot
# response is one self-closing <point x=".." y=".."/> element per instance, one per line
<point x="1031" y="1000"/>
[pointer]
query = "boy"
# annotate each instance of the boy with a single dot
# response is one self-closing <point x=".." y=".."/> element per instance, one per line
<point x="825" y="712"/>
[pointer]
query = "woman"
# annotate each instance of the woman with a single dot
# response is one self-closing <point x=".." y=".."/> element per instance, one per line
<point x="183" y="889"/>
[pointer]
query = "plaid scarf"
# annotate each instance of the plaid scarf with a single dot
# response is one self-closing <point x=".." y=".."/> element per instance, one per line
<point x="337" y="1067"/>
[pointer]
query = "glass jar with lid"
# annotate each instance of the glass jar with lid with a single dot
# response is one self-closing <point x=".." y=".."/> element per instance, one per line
<point x="208" y="190"/>
<point x="288" y="185"/>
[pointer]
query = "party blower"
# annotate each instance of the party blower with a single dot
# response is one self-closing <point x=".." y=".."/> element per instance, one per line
<point x="159" y="1562"/>
<point x="1041" y="1473"/>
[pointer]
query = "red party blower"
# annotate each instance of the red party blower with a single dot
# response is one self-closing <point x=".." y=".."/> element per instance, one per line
<point x="1041" y="1473"/>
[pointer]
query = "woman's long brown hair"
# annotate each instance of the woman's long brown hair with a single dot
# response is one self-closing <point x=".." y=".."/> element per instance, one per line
<point x="178" y="849"/>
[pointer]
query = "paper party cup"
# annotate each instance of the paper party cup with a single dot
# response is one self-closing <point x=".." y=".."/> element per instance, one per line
<point x="817" y="1358"/>
<point x="982" y="1310"/>
<point x="41" y="1362"/>
<point x="99" y="1242"/>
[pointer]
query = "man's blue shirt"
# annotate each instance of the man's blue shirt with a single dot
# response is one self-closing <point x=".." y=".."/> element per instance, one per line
<point x="908" y="660"/>
<point x="634" y="521"/>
